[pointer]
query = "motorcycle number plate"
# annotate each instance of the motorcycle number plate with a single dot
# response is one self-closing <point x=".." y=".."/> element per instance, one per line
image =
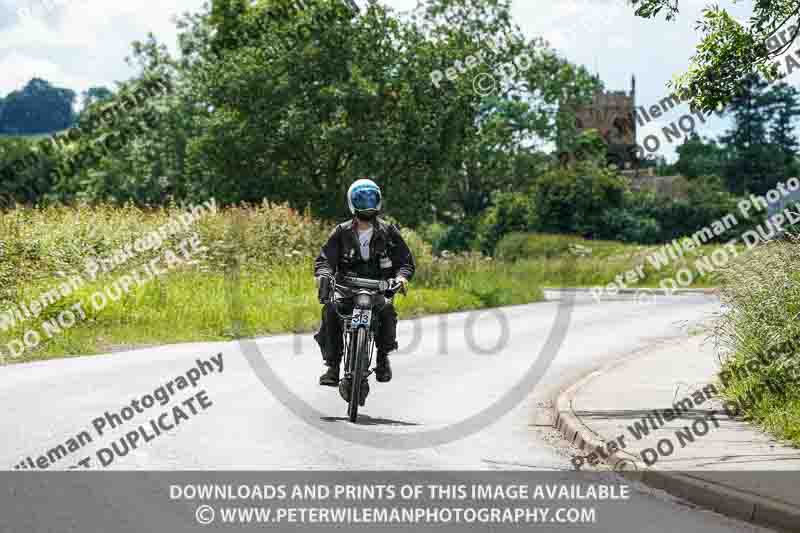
<point x="361" y="317"/>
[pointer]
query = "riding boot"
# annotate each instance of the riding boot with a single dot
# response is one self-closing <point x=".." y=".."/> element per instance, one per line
<point x="383" y="370"/>
<point x="331" y="376"/>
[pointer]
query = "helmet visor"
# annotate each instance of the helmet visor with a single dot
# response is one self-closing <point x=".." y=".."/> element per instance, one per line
<point x="366" y="198"/>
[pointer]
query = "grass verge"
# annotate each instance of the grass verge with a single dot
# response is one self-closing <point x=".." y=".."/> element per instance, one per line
<point x="191" y="306"/>
<point x="273" y="246"/>
<point x="570" y="261"/>
<point x="760" y="335"/>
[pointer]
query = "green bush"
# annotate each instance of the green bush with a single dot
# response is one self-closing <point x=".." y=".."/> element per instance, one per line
<point x="563" y="200"/>
<point x="573" y="200"/>
<point x="25" y="173"/>
<point x="623" y="224"/>
<point x="510" y="212"/>
<point x="512" y="247"/>
<point x="706" y="202"/>
<point x="422" y="250"/>
<point x="459" y="237"/>
<point x="434" y="233"/>
<point x="573" y="261"/>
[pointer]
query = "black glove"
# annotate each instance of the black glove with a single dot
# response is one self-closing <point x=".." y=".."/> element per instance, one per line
<point x="395" y="286"/>
<point x="325" y="288"/>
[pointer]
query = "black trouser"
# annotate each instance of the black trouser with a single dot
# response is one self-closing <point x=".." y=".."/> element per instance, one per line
<point x="329" y="336"/>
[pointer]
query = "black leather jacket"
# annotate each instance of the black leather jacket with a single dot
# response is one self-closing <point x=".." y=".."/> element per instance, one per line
<point x="389" y="255"/>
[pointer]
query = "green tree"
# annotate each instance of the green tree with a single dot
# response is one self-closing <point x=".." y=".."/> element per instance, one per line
<point x="305" y="103"/>
<point x="753" y="165"/>
<point x="573" y="200"/>
<point x="38" y="108"/>
<point x="730" y="51"/>
<point x="137" y="153"/>
<point x="94" y="95"/>
<point x="288" y="104"/>
<point x="500" y="149"/>
<point x="510" y="212"/>
<point x="292" y="105"/>
<point x="590" y="146"/>
<point x="25" y="172"/>
<point x="698" y="157"/>
<point x="784" y="108"/>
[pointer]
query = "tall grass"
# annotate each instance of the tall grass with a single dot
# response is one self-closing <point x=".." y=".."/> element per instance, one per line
<point x="255" y="277"/>
<point x="759" y="335"/>
<point x="571" y="261"/>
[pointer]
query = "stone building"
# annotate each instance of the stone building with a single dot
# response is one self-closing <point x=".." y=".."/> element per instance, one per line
<point x="611" y="114"/>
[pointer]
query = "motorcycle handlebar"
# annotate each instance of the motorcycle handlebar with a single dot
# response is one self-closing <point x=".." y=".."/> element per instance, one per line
<point x="365" y="283"/>
<point x="389" y="288"/>
<point x="376" y="285"/>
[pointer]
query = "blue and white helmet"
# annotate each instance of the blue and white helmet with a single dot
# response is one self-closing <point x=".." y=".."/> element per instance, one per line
<point x="364" y="199"/>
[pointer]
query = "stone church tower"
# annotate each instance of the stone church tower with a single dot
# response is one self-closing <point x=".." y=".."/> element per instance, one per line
<point x="611" y="114"/>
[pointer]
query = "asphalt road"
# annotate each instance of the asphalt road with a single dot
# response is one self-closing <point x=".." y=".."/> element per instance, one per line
<point x="445" y="372"/>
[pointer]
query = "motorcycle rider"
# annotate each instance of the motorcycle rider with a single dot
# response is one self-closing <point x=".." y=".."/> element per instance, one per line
<point x="366" y="247"/>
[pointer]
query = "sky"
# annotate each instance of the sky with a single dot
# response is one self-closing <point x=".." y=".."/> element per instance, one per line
<point x="83" y="43"/>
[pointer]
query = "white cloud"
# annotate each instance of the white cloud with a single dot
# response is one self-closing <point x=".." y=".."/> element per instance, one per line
<point x="80" y="43"/>
<point x="570" y="24"/>
<point x="19" y="68"/>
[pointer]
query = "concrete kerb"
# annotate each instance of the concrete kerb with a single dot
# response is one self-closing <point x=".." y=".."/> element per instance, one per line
<point x="650" y="290"/>
<point x="643" y="295"/>
<point x="723" y="499"/>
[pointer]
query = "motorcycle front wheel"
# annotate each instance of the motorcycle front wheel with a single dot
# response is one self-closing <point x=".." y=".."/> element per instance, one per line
<point x="359" y="363"/>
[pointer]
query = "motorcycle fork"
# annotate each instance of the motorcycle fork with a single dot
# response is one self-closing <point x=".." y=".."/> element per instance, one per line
<point x="349" y="340"/>
<point x="350" y="348"/>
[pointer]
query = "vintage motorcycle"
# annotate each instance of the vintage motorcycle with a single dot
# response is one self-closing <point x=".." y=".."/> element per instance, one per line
<point x="357" y="298"/>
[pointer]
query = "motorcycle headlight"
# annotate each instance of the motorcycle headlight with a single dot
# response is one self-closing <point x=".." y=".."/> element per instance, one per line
<point x="363" y="300"/>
